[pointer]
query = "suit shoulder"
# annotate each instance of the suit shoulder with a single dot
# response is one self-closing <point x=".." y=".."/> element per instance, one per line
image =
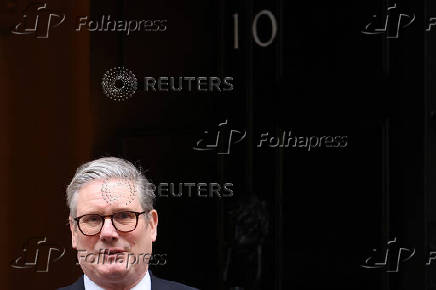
<point x="78" y="285"/>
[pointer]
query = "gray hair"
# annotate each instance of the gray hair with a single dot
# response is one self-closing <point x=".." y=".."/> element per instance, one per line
<point x="107" y="168"/>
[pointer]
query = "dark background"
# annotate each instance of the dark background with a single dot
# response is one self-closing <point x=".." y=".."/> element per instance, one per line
<point x="315" y="216"/>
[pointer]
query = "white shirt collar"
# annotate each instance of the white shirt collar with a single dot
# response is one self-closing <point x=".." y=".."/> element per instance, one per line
<point x="144" y="284"/>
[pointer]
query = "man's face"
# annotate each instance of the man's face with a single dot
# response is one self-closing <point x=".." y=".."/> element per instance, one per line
<point x="106" y="197"/>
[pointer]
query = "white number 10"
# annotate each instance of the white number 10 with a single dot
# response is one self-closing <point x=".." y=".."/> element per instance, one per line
<point x="254" y="29"/>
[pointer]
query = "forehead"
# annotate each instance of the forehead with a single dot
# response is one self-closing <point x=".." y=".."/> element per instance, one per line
<point x="107" y="195"/>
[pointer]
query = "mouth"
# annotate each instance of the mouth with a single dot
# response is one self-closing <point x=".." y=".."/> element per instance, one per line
<point x="115" y="251"/>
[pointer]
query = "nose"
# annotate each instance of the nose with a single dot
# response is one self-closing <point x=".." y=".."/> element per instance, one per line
<point x="108" y="232"/>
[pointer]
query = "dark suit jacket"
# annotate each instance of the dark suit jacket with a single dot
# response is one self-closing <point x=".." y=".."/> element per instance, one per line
<point x="156" y="284"/>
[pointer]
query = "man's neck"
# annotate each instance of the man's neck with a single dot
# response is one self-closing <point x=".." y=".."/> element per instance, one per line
<point x="119" y="285"/>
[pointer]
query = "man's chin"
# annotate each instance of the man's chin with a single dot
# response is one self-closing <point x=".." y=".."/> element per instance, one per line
<point x="109" y="272"/>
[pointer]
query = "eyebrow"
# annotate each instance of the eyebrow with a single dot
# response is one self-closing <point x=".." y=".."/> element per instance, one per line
<point x="115" y="210"/>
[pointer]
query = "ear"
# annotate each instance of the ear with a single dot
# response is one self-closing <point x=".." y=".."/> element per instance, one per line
<point x="153" y="221"/>
<point x="73" y="229"/>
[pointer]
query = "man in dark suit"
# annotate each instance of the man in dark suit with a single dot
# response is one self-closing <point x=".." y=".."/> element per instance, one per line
<point x="113" y="225"/>
<point x="156" y="284"/>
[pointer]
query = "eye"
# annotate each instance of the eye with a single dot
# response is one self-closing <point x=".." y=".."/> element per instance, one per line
<point x="91" y="218"/>
<point x="125" y="215"/>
